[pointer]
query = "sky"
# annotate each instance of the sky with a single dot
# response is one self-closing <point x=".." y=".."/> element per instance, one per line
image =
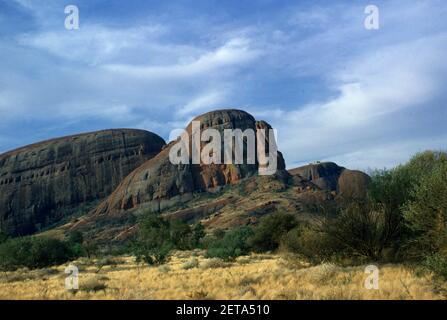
<point x="333" y="90"/>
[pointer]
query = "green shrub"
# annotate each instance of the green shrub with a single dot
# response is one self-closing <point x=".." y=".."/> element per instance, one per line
<point x="3" y="237"/>
<point x="157" y="238"/>
<point x="310" y="243"/>
<point x="34" y="252"/>
<point x="75" y="237"/>
<point x="426" y="214"/>
<point x="268" y="233"/>
<point x="153" y="244"/>
<point x="437" y="264"/>
<point x="411" y="197"/>
<point x="232" y="245"/>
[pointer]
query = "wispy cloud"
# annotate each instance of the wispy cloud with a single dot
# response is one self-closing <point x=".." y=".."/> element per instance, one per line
<point x="233" y="53"/>
<point x="334" y="90"/>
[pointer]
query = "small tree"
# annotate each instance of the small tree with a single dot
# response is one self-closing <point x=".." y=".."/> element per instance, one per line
<point x="198" y="233"/>
<point x="154" y="243"/>
<point x="180" y="235"/>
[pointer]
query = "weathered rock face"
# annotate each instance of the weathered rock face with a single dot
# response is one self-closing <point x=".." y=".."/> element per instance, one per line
<point x="329" y="176"/>
<point x="158" y="184"/>
<point x="40" y="182"/>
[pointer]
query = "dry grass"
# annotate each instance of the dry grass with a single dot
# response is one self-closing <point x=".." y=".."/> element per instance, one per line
<point x="187" y="277"/>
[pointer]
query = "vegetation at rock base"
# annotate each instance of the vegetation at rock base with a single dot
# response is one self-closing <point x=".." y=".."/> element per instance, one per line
<point x="34" y="252"/>
<point x="270" y="230"/>
<point x="157" y="238"/>
<point x="233" y="244"/>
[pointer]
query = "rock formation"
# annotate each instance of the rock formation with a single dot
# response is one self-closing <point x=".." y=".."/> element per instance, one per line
<point x="41" y="183"/>
<point x="158" y="184"/>
<point x="329" y="176"/>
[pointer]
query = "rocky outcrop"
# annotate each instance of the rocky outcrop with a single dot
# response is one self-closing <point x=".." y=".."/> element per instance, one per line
<point x="330" y="177"/>
<point x="41" y="183"/>
<point x="158" y="184"/>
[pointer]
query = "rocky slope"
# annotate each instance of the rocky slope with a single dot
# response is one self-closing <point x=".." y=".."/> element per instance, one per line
<point x="158" y="184"/>
<point x="43" y="182"/>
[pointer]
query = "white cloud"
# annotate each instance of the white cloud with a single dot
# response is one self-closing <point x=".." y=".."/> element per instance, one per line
<point x="95" y="44"/>
<point x="234" y="52"/>
<point x="375" y="93"/>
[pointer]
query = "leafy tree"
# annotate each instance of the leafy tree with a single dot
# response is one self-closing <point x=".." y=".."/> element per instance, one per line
<point x="180" y="234"/>
<point x="426" y="214"/>
<point x="397" y="193"/>
<point x="157" y="237"/>
<point x="154" y="243"/>
<point x="271" y="228"/>
<point x="198" y="233"/>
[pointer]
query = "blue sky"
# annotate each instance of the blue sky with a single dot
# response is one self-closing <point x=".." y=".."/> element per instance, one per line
<point x="333" y="90"/>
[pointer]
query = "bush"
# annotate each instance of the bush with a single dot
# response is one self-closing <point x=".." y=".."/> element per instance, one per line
<point x="310" y="243"/>
<point x="411" y="197"/>
<point x="191" y="264"/>
<point x="185" y="237"/>
<point x="93" y="284"/>
<point x="437" y="264"/>
<point x="33" y="252"/>
<point x="232" y="245"/>
<point x="75" y="237"/>
<point x="3" y="237"/>
<point x="426" y="214"/>
<point x="153" y="244"/>
<point x="358" y="231"/>
<point x="268" y="233"/>
<point x="215" y="263"/>
<point x="157" y="238"/>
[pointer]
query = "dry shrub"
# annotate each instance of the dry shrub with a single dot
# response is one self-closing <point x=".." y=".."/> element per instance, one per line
<point x="93" y="284"/>
<point x="323" y="273"/>
<point x="165" y="268"/>
<point x="248" y="280"/>
<point x="215" y="263"/>
<point x="198" y="295"/>
<point x="191" y="264"/>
